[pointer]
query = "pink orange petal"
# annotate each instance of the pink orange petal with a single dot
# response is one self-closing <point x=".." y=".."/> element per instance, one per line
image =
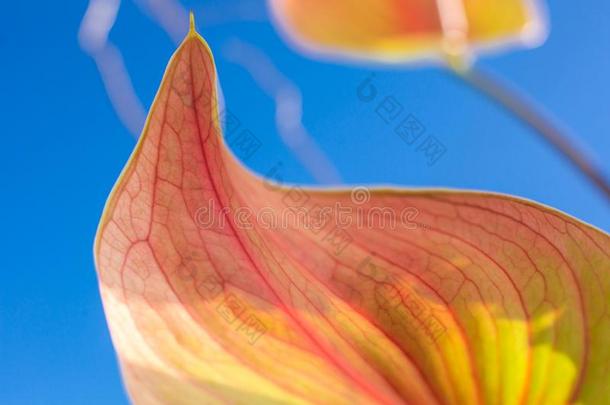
<point x="220" y="287"/>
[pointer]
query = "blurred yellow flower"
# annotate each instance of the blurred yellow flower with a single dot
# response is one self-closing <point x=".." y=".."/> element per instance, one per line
<point x="400" y="30"/>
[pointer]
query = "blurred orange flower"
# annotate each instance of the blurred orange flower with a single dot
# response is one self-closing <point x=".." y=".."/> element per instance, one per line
<point x="399" y="30"/>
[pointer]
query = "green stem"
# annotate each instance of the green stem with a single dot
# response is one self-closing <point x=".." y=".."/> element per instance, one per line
<point x="527" y="111"/>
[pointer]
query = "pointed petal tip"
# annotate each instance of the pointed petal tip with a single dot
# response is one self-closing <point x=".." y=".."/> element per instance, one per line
<point x="192" y="29"/>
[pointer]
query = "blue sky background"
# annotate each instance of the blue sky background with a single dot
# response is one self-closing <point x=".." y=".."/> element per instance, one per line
<point x="63" y="147"/>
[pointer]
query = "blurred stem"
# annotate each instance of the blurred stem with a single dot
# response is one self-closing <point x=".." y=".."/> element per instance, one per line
<point x="526" y="110"/>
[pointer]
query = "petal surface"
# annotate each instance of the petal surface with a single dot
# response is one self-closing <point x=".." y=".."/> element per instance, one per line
<point x="222" y="287"/>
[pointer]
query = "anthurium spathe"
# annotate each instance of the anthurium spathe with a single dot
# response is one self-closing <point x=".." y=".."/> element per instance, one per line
<point x="399" y="30"/>
<point x="222" y="287"/>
